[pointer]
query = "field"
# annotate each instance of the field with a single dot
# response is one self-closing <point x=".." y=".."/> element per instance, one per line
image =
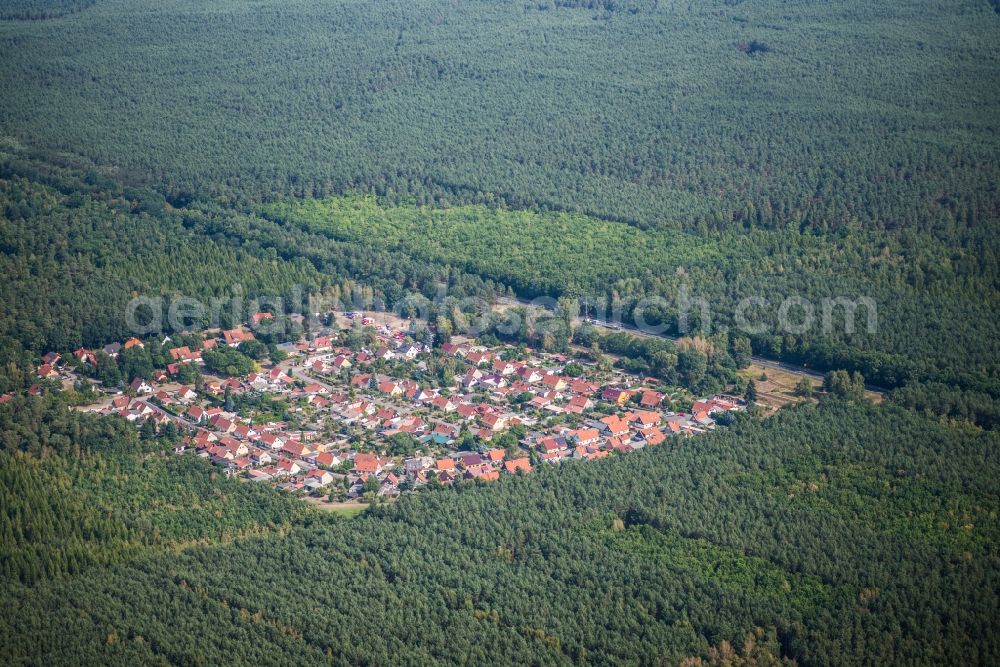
<point x="346" y="510"/>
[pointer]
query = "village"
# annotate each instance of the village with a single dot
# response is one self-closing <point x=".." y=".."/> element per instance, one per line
<point x="348" y="418"/>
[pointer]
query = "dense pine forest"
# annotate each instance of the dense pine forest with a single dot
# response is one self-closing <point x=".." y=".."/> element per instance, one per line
<point x="833" y="534"/>
<point x="611" y="150"/>
<point x="765" y="113"/>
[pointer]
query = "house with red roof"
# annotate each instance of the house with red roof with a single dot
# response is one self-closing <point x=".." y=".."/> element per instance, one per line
<point x="495" y="422"/>
<point x="133" y="342"/>
<point x="46" y="371"/>
<point x="367" y="464"/>
<point x="483" y="471"/>
<point x="614" y="425"/>
<point x="518" y="465"/>
<point x="585" y="436"/>
<point x="652" y="436"/>
<point x="651" y="399"/>
<point x="257" y="318"/>
<point x="234" y="337"/>
<point x="616" y="395"/>
<point x="579" y="405"/>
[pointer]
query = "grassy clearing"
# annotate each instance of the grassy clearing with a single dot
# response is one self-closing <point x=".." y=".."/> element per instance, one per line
<point x="346" y="510"/>
<point x="537" y="251"/>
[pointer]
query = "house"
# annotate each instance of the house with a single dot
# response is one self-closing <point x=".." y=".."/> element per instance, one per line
<point x="483" y="471"/>
<point x="85" y="356"/>
<point x="616" y="395"/>
<point x="469" y="459"/>
<point x="183" y="445"/>
<point x="278" y="377"/>
<point x="495" y="455"/>
<point x="585" y="436"/>
<point x="444" y="404"/>
<point x="295" y="448"/>
<point x="582" y="387"/>
<point x="325" y="460"/>
<point x="322" y="344"/>
<point x="163" y="398"/>
<point x="238" y="463"/>
<point x="454" y="350"/>
<point x="366" y="464"/>
<point x="704" y="420"/>
<point x="448" y="432"/>
<point x="643" y="418"/>
<point x="614" y="425"/>
<point x="234" y="337"/>
<point x="133" y="342"/>
<point x="235" y="447"/>
<point x="410" y="352"/>
<point x="504" y="367"/>
<point x="418" y="464"/>
<point x="652" y="436"/>
<point x="714" y="405"/>
<point x="259" y="475"/>
<point x="260" y="457"/>
<point x="390" y="387"/>
<point x="588" y="453"/>
<point x="471" y="378"/>
<point x="477" y="357"/>
<point x="529" y="374"/>
<point x="390" y="486"/>
<point x="518" y="465"/>
<point x="184" y="355"/>
<point x="47" y="371"/>
<point x="257" y="318"/>
<point x="185" y="393"/>
<point x="579" y="405"/>
<point x="288" y="467"/>
<point x="271" y="440"/>
<point x="140" y="386"/>
<point x="495" y="422"/>
<point x="539" y="402"/>
<point x="445" y="465"/>
<point x="651" y="399"/>
<point x="552" y="445"/>
<point x="554" y="382"/>
<point x="321" y="478"/>
<point x="221" y="424"/>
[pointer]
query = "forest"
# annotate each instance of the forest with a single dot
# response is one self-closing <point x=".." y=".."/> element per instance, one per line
<point x="952" y="286"/>
<point x="81" y="490"/>
<point x="39" y="10"/>
<point x="831" y="534"/>
<point x="878" y="114"/>
<point x="612" y="150"/>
